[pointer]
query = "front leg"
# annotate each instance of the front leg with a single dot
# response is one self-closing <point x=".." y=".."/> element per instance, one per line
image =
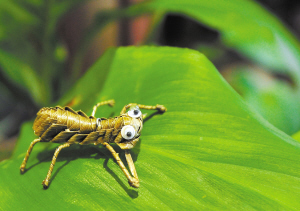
<point x="108" y="102"/>
<point x="160" y="108"/>
<point x="131" y="164"/>
<point x="133" y="181"/>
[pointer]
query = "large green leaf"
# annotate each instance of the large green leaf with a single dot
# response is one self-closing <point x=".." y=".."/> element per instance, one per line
<point x="209" y="151"/>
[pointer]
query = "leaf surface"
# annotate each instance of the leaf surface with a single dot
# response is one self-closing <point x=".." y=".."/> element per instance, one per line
<point x="209" y="151"/>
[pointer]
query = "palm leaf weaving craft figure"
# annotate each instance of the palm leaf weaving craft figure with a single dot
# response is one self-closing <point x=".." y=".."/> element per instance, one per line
<point x="67" y="127"/>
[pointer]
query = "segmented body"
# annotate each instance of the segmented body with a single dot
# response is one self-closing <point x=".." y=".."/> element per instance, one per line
<point x="61" y="125"/>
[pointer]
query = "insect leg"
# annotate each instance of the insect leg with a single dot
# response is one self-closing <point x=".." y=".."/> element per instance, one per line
<point x="160" y="108"/>
<point x="131" y="164"/>
<point x="45" y="182"/>
<point x="23" y="165"/>
<point x="133" y="181"/>
<point x="108" y="102"/>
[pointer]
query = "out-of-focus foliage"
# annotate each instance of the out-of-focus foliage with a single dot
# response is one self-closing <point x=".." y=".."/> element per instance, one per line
<point x="33" y="60"/>
<point x="276" y="100"/>
<point x="209" y="151"/>
<point x="31" y="55"/>
<point x="244" y="26"/>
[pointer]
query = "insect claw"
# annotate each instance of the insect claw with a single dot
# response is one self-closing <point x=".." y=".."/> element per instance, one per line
<point x="45" y="184"/>
<point x="134" y="183"/>
<point x="161" y="108"/>
<point x="22" y="170"/>
<point x="111" y="103"/>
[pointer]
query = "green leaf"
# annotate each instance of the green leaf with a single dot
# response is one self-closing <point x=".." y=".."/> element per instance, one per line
<point x="23" y="76"/>
<point x="273" y="98"/>
<point x="209" y="151"/>
<point x="244" y="26"/>
<point x="14" y="19"/>
<point x="296" y="136"/>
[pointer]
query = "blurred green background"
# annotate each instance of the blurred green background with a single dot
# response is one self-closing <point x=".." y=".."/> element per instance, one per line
<point x="52" y="53"/>
<point x="45" y="46"/>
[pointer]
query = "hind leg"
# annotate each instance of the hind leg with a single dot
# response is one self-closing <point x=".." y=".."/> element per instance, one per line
<point x="46" y="181"/>
<point x="23" y="165"/>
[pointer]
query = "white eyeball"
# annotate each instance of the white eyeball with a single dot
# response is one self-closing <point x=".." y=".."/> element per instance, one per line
<point x="135" y="112"/>
<point x="128" y="132"/>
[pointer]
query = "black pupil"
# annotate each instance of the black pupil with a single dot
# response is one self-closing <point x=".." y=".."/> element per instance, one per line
<point x="128" y="134"/>
<point x="136" y="112"/>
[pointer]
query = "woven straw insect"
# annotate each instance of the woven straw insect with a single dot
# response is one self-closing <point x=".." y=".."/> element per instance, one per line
<point x="67" y="127"/>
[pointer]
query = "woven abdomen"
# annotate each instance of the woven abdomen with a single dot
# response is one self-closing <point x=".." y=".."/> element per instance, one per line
<point x="66" y="118"/>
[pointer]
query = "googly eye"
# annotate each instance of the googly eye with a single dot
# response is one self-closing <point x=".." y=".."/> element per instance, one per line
<point x="135" y="112"/>
<point x="128" y="132"/>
